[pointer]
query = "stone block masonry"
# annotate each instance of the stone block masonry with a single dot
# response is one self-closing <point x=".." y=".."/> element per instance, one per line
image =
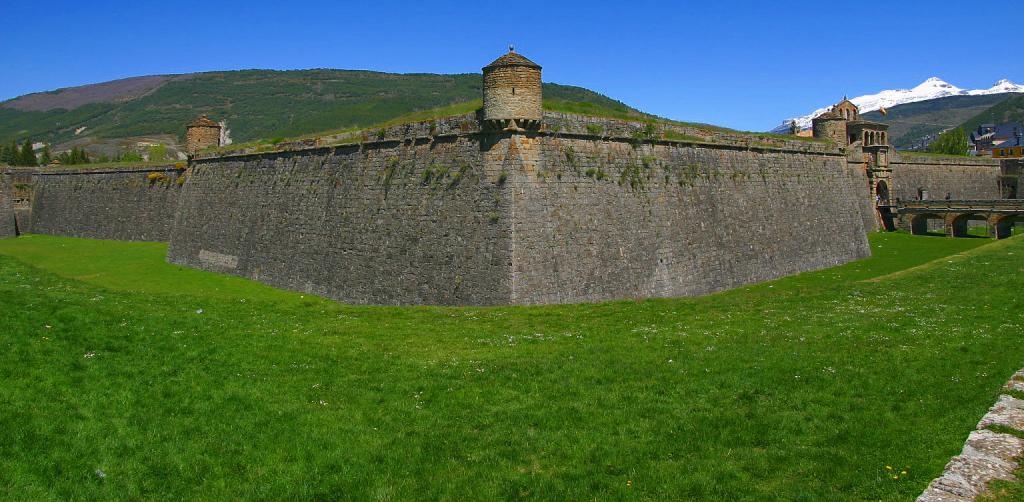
<point x="8" y="224"/>
<point x="934" y="177"/>
<point x="417" y="220"/>
<point x="601" y="219"/>
<point x="471" y="218"/>
<point x="131" y="204"/>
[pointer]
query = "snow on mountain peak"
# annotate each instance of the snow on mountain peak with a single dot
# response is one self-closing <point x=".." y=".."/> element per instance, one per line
<point x="935" y="83"/>
<point x="999" y="87"/>
<point x="931" y="88"/>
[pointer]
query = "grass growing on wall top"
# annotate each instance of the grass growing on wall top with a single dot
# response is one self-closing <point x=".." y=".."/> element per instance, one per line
<point x="799" y="389"/>
<point x="940" y="155"/>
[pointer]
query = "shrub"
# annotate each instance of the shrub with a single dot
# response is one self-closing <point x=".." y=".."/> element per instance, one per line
<point x="155" y="178"/>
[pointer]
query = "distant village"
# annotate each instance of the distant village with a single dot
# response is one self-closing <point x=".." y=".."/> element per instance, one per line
<point x="1001" y="141"/>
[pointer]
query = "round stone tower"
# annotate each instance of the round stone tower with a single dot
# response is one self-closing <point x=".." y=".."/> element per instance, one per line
<point x="830" y="125"/>
<point x="512" y="93"/>
<point x="201" y="133"/>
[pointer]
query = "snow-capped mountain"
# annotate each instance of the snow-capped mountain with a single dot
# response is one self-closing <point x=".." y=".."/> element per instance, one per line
<point x="929" y="89"/>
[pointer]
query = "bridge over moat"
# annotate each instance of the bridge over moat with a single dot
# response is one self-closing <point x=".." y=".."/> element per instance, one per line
<point x="999" y="215"/>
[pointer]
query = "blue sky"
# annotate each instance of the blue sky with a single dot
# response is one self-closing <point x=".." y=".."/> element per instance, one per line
<point x="746" y="65"/>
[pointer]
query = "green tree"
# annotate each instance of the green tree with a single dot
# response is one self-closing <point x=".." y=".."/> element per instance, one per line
<point x="45" y="157"/>
<point x="157" y="152"/>
<point x="130" y="156"/>
<point x="951" y="142"/>
<point x="28" y="156"/>
<point x="12" y="154"/>
<point x="5" y="157"/>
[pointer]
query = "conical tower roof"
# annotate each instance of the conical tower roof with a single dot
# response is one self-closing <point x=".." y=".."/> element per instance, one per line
<point x="512" y="59"/>
<point x="203" y="121"/>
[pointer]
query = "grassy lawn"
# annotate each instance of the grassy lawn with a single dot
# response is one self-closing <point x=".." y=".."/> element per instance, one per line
<point x="176" y="383"/>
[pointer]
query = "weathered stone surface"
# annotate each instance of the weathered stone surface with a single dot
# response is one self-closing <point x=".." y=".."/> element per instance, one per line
<point x="7" y="221"/>
<point x="417" y="220"/>
<point x="474" y="218"/>
<point x="131" y="204"/>
<point x="961" y="178"/>
<point x="986" y="456"/>
<point x="1004" y="447"/>
<point x="606" y="219"/>
<point x="1008" y="412"/>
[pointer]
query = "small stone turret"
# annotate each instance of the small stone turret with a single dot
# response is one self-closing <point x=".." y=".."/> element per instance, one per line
<point x="830" y="125"/>
<point x="512" y="93"/>
<point x="201" y="133"/>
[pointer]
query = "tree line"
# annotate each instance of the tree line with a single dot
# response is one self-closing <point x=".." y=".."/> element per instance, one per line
<point x="25" y="155"/>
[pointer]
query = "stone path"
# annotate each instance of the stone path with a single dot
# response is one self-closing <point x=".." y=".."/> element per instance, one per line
<point x="987" y="455"/>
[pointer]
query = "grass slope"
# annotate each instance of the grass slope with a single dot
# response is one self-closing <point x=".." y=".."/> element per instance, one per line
<point x="266" y="104"/>
<point x="799" y="389"/>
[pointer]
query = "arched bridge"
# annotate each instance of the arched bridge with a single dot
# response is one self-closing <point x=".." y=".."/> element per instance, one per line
<point x="955" y="215"/>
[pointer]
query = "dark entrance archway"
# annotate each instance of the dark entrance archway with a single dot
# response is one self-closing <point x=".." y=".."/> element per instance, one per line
<point x="1004" y="227"/>
<point x="882" y="190"/>
<point x="962" y="226"/>
<point x="928" y="224"/>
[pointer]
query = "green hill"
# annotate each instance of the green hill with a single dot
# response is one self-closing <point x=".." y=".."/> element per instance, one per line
<point x="913" y="125"/>
<point x="1010" y="110"/>
<point x="256" y="103"/>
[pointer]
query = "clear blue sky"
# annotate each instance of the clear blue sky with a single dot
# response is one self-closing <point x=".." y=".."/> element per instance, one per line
<point x="746" y="65"/>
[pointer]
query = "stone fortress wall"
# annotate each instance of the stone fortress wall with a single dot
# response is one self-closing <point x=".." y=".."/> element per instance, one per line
<point x="508" y="208"/>
<point x="409" y="220"/>
<point x="606" y="218"/>
<point x="131" y="204"/>
<point x="8" y="223"/>
<point x="461" y="216"/>
<point x="935" y="177"/>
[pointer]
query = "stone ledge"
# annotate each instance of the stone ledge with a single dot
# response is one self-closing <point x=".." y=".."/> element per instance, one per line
<point x="1007" y="412"/>
<point x="987" y="455"/>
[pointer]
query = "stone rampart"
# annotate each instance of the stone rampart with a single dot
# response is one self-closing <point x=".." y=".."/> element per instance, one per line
<point x="934" y="177"/>
<point x="132" y="204"/>
<point x="598" y="219"/>
<point x="8" y="224"/>
<point x="415" y="220"/>
<point x="441" y="215"/>
<point x="861" y="185"/>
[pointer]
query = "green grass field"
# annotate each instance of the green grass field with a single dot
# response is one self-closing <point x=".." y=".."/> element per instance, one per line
<point x="175" y="383"/>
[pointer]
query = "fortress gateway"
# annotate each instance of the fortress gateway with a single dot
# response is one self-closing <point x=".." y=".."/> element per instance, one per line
<point x="509" y="205"/>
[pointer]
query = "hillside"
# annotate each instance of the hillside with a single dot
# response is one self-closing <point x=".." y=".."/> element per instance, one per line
<point x="1010" y="110"/>
<point x="255" y="103"/>
<point x="914" y="125"/>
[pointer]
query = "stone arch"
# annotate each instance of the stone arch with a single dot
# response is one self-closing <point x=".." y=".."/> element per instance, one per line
<point x="919" y="223"/>
<point x="1004" y="226"/>
<point x="882" y="190"/>
<point x="960" y="224"/>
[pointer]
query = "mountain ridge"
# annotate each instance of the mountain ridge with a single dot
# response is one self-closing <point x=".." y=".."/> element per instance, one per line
<point x="257" y="104"/>
<point x="931" y="88"/>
